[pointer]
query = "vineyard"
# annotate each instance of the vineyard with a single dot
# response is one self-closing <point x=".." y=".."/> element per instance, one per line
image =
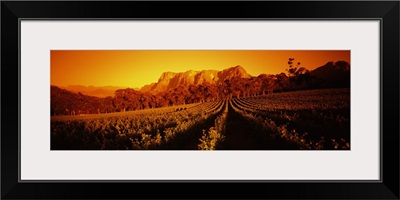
<point x="308" y="120"/>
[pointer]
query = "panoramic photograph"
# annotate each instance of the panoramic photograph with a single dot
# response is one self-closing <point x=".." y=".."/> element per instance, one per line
<point x="200" y="99"/>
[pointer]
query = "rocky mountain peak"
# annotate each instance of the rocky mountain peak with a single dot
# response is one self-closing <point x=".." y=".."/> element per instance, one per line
<point x="171" y="80"/>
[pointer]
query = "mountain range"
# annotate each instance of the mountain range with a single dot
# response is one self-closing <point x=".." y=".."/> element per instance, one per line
<point x="171" y="80"/>
<point x="331" y="74"/>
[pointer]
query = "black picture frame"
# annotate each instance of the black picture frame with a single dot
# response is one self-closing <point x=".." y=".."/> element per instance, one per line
<point x="13" y="11"/>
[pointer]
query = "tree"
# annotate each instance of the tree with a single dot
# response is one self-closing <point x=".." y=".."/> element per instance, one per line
<point x="160" y="100"/>
<point x="210" y="92"/>
<point x="267" y="83"/>
<point x="227" y="89"/>
<point x="282" y="81"/>
<point x="295" y="71"/>
<point x="194" y="94"/>
<point x="299" y="76"/>
<point x="255" y="86"/>
<point x="119" y="101"/>
<point x="179" y="95"/>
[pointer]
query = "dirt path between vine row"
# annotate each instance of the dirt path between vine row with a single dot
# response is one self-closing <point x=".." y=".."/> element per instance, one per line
<point x="240" y="135"/>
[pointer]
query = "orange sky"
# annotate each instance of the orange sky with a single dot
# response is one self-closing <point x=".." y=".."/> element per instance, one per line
<point x="135" y="68"/>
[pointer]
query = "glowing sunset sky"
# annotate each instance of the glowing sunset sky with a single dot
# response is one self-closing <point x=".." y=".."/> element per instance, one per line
<point x="135" y="68"/>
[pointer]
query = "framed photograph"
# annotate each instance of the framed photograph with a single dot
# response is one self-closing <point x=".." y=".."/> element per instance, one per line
<point x="300" y="98"/>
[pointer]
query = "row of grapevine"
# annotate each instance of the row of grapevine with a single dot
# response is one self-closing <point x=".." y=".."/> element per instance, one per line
<point x="215" y="135"/>
<point x="316" y="120"/>
<point x="311" y="99"/>
<point x="141" y="130"/>
<point x="162" y="110"/>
